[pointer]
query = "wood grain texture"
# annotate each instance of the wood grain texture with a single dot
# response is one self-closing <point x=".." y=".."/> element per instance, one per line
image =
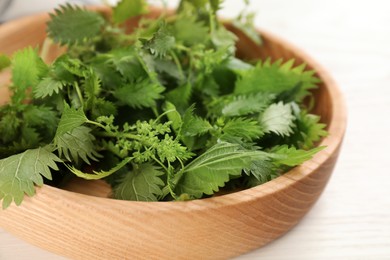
<point x="89" y="227"/>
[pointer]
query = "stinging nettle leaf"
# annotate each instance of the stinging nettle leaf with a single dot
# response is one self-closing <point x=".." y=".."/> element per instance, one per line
<point x="92" y="88"/>
<point x="127" y="63"/>
<point x="189" y="31"/>
<point x="276" y="78"/>
<point x="214" y="168"/>
<point x="143" y="183"/>
<point x="9" y="125"/>
<point x="278" y="118"/>
<point x="311" y="129"/>
<point x="245" y="128"/>
<point x="71" y="24"/>
<point x="180" y="96"/>
<point x="103" y="107"/>
<point x="292" y="156"/>
<point x="247" y="104"/>
<point x="77" y="143"/>
<point x="140" y="94"/>
<point x="193" y="125"/>
<point x="308" y="130"/>
<point x="47" y="87"/>
<point x="27" y="68"/>
<point x="173" y="115"/>
<point x="126" y="9"/>
<point x="262" y="170"/>
<point x="20" y="172"/>
<point x="70" y="119"/>
<point x="162" y="42"/>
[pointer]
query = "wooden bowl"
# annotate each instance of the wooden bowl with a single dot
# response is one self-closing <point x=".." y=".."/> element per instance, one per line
<point x="88" y="226"/>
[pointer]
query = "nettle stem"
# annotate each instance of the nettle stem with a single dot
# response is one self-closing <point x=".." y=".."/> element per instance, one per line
<point x="45" y="49"/>
<point x="114" y="134"/>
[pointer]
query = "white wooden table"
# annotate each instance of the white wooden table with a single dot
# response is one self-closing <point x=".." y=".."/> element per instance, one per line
<point x="352" y="218"/>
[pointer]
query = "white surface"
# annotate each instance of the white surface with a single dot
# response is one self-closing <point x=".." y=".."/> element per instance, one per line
<point x="352" y="218"/>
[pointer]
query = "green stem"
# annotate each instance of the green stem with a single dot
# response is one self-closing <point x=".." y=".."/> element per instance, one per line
<point x="178" y="64"/>
<point x="160" y="163"/>
<point x="163" y="114"/>
<point x="181" y="163"/>
<point x="171" y="184"/>
<point x="155" y="111"/>
<point x="45" y="49"/>
<point x="182" y="48"/>
<point x="116" y="135"/>
<point x="109" y="133"/>
<point x="212" y="22"/>
<point x="165" y="192"/>
<point x="96" y="123"/>
<point x="79" y="95"/>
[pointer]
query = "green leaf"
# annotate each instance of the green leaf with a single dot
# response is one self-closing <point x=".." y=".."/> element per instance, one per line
<point x="5" y="62"/>
<point x="292" y="156"/>
<point x="168" y="70"/>
<point x="214" y="168"/>
<point x="108" y="74"/>
<point x="278" y="118"/>
<point x="276" y="78"/>
<point x="224" y="39"/>
<point x="311" y="129"/>
<point x="103" y="107"/>
<point x="216" y="5"/>
<point x="207" y="60"/>
<point x="77" y="143"/>
<point x="19" y="173"/>
<point x="262" y="170"/>
<point x="27" y="68"/>
<point x="126" y="9"/>
<point x="307" y="131"/>
<point x="244" y="128"/>
<point x="162" y="42"/>
<point x="9" y="126"/>
<point x="193" y="125"/>
<point x="71" y="66"/>
<point x="143" y="183"/>
<point x="127" y="63"/>
<point x="247" y="104"/>
<point x="73" y="25"/>
<point x="139" y="94"/>
<point x="240" y="105"/>
<point x="92" y="88"/>
<point x="189" y="31"/>
<point x="43" y="118"/>
<point x="202" y="5"/>
<point x="173" y="115"/>
<point x="65" y="69"/>
<point x="70" y="119"/>
<point x="98" y="175"/>
<point x="180" y="96"/>
<point x="35" y="115"/>
<point x="47" y="87"/>
<point x="29" y="137"/>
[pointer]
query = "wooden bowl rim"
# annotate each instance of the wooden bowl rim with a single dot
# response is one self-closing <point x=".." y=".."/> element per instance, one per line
<point x="336" y="128"/>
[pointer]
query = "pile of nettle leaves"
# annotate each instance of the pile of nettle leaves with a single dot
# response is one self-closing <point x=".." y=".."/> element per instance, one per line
<point x="163" y="113"/>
